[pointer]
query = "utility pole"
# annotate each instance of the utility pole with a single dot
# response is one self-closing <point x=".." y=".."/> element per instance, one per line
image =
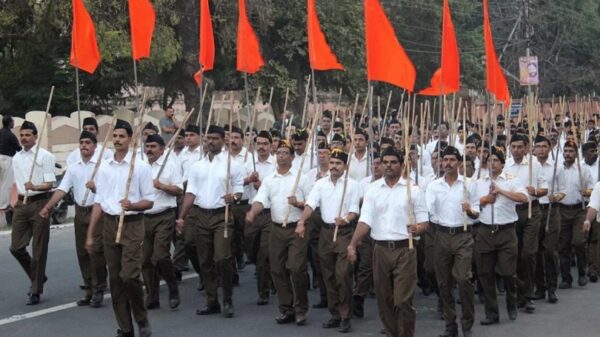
<point x="527" y="36"/>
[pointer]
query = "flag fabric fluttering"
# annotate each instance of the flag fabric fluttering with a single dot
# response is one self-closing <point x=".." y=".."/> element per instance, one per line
<point x="198" y="77"/>
<point x="387" y="61"/>
<point x="84" y="46"/>
<point x="249" y="59"/>
<point x="446" y="79"/>
<point x="141" y="20"/>
<point x="206" y="54"/>
<point x="495" y="80"/>
<point x="319" y="52"/>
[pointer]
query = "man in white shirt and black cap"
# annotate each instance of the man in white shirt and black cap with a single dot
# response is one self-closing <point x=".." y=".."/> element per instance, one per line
<point x="159" y="222"/>
<point x="26" y="222"/>
<point x="92" y="266"/>
<point x="124" y="258"/>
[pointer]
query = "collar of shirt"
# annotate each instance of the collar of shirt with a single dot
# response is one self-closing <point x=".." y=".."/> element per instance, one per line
<point x="126" y="159"/>
<point x="383" y="183"/>
<point x="92" y="160"/>
<point x="198" y="149"/>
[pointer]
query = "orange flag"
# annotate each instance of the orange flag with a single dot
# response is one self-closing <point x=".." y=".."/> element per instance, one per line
<point x="386" y="59"/>
<point x="249" y="59"/>
<point x="320" y="54"/>
<point x="84" y="47"/>
<point x="141" y="21"/>
<point x="198" y="77"/>
<point x="446" y="79"/>
<point x="495" y="81"/>
<point x="206" y="54"/>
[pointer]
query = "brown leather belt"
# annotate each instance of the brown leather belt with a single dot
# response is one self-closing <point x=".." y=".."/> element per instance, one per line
<point x="575" y="206"/>
<point x="393" y="244"/>
<point x="37" y="197"/>
<point x="498" y="228"/>
<point x="288" y="225"/>
<point x="454" y="230"/>
<point x="526" y="205"/>
<point x="212" y="211"/>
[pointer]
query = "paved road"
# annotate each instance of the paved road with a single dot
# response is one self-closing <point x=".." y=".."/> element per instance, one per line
<point x="576" y="314"/>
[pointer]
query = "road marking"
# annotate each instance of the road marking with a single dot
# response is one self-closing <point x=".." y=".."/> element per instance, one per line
<point x="53" y="227"/>
<point x="17" y="318"/>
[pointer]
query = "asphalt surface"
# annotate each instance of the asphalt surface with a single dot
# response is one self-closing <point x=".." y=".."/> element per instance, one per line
<point x="576" y="313"/>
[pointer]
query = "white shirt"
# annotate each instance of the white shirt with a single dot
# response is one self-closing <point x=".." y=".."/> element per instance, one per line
<point x="275" y="190"/>
<point x="76" y="176"/>
<point x="171" y="175"/>
<point x="112" y="178"/>
<point x="548" y="171"/>
<point x="365" y="184"/>
<point x="207" y="180"/>
<point x="595" y="200"/>
<point x="312" y="177"/>
<point x="187" y="157"/>
<point x="594" y="169"/>
<point x="521" y="173"/>
<point x="358" y="167"/>
<point x="42" y="173"/>
<point x="298" y="158"/>
<point x="504" y="208"/>
<point x="444" y="201"/>
<point x="572" y="186"/>
<point x="328" y="196"/>
<point x="264" y="169"/>
<point x="385" y="209"/>
<point x="75" y="155"/>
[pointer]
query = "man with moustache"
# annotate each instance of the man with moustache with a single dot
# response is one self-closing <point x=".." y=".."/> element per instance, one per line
<point x="299" y="141"/>
<point x="257" y="234"/>
<point x="287" y="252"/>
<point x="124" y="259"/>
<point x="26" y="222"/>
<point x="590" y="160"/>
<point x="90" y="125"/>
<point x="91" y="266"/>
<point x="159" y="222"/>
<point x="451" y="198"/>
<point x="204" y="209"/>
<point x="358" y="168"/>
<point x="240" y="155"/>
<point x="386" y="211"/>
<point x="327" y="195"/>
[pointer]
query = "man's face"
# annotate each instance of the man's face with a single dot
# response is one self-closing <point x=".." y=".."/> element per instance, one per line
<point x="170" y="112"/>
<point x="275" y="144"/>
<point x="398" y="143"/>
<point x="518" y="149"/>
<point x="336" y="167"/>
<point x="86" y="147"/>
<point x="470" y="169"/>
<point x="392" y="168"/>
<point x="323" y="156"/>
<point x="569" y="154"/>
<point x="153" y="151"/>
<point x="263" y="147"/>
<point x="377" y="168"/>
<point x="236" y="141"/>
<point x="321" y="140"/>
<point x="146" y="133"/>
<point x="360" y="142"/>
<point x="91" y="129"/>
<point x="394" y="127"/>
<point x="450" y="164"/>
<point x="571" y="138"/>
<point x="121" y="140"/>
<point x="338" y="130"/>
<point x="336" y="144"/>
<point x="471" y="149"/>
<point x="496" y="165"/>
<point x="542" y="149"/>
<point x="434" y="161"/>
<point x="443" y="131"/>
<point x="284" y="157"/>
<point x="192" y="139"/>
<point x="326" y="123"/>
<point x="591" y="124"/>
<point x="299" y="146"/>
<point x="214" y="142"/>
<point x="179" y="142"/>
<point x="590" y="155"/>
<point x="27" y="138"/>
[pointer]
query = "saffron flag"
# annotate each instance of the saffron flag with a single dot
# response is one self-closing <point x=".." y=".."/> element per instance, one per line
<point x="141" y="21"/>
<point x="198" y="77"/>
<point x="84" y="47"/>
<point x="206" y="54"/>
<point x="495" y="81"/>
<point x="249" y="59"/>
<point x="446" y="79"/>
<point x="386" y="59"/>
<point x="320" y="55"/>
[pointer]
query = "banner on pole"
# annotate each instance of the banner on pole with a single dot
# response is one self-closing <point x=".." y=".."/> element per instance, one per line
<point x="528" y="70"/>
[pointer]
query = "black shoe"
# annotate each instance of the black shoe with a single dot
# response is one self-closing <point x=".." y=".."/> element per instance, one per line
<point x="97" y="299"/>
<point x="144" y="327"/>
<point x="301" y="319"/>
<point x="151" y="305"/>
<point x="582" y="281"/>
<point x="552" y="296"/>
<point x="345" y="326"/>
<point x="174" y="299"/>
<point x="262" y="301"/>
<point x="45" y="279"/>
<point x="228" y="310"/>
<point x="489" y="321"/>
<point x="529" y="307"/>
<point x="358" y="307"/>
<point x="449" y="333"/>
<point x="285" y="319"/>
<point x="200" y="285"/>
<point x="593" y="277"/>
<point x="33" y="299"/>
<point x="512" y="313"/>
<point x="331" y="323"/>
<point x="178" y="275"/>
<point x="500" y="286"/>
<point x="120" y="333"/>
<point x="85" y="300"/>
<point x="540" y="294"/>
<point x="236" y="280"/>
<point x="209" y="310"/>
<point x="468" y="333"/>
<point x="565" y="285"/>
<point x="241" y="264"/>
<point x="321" y="305"/>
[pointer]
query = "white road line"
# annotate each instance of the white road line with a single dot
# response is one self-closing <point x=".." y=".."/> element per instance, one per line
<point x="17" y="318"/>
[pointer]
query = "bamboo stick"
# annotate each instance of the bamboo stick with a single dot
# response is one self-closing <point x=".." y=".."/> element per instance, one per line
<point x="100" y="156"/>
<point x="172" y="141"/>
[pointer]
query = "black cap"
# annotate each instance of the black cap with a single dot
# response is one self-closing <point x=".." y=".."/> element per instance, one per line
<point x="323" y="146"/>
<point x="216" y="129"/>
<point x="265" y="134"/>
<point x="275" y="133"/>
<point x="300" y="134"/>
<point x="498" y="152"/>
<point x="193" y="128"/>
<point x="386" y="140"/>
<point x="284" y="143"/>
<point x="121" y="124"/>
<point x="155" y="139"/>
<point x="327" y="114"/>
<point x="182" y="133"/>
<point x="27" y="125"/>
<point x="571" y="144"/>
<point x="588" y="146"/>
<point x="338" y="138"/>
<point x="321" y="134"/>
<point x="90" y="121"/>
<point x="338" y="125"/>
<point x="474" y="139"/>
<point x="88" y="135"/>
<point x="340" y="155"/>
<point x="518" y="137"/>
<point x="452" y="151"/>
<point x="235" y="129"/>
<point x="151" y="126"/>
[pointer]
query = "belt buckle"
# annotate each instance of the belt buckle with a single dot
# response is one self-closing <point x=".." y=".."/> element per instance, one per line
<point x="451" y="230"/>
<point x="391" y="244"/>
